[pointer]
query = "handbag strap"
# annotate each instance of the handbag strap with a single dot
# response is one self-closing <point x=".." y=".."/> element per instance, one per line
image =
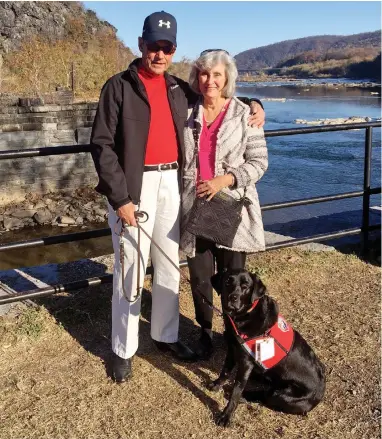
<point x="196" y="141"/>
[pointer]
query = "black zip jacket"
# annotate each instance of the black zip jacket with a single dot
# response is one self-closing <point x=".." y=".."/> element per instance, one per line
<point x="120" y="132"/>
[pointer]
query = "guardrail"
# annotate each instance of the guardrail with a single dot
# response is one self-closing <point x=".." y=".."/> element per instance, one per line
<point x="364" y="228"/>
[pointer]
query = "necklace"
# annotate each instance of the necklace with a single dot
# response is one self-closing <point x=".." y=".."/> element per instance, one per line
<point x="209" y="122"/>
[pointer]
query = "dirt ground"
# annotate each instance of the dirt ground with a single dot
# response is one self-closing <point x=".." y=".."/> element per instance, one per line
<point x="53" y="362"/>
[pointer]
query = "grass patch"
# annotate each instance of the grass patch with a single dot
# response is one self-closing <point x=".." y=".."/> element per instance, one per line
<point x="54" y="384"/>
<point x="30" y="323"/>
<point x="23" y="323"/>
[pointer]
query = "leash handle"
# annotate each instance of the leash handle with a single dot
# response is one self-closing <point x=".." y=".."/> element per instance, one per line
<point x="142" y="217"/>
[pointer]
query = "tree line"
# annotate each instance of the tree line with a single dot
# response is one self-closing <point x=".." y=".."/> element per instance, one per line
<point x="353" y="62"/>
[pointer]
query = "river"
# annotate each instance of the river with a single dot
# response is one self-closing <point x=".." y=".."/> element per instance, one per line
<point x="318" y="164"/>
<point x="299" y="167"/>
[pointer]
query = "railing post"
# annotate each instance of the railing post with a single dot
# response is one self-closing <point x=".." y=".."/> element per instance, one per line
<point x="72" y="77"/>
<point x="366" y="192"/>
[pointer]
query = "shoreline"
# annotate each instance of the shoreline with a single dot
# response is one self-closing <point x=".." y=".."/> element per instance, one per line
<point x="301" y="82"/>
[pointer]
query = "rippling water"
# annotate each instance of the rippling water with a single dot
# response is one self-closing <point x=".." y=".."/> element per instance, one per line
<point x="299" y="167"/>
<point x="318" y="164"/>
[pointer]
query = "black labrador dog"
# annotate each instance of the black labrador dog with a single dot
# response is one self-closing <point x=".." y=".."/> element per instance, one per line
<point x="276" y="366"/>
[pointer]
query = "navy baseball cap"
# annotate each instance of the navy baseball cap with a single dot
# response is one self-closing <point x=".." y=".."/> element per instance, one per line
<point x="160" y="26"/>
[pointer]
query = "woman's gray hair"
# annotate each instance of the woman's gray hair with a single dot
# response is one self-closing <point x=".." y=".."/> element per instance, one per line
<point x="208" y="61"/>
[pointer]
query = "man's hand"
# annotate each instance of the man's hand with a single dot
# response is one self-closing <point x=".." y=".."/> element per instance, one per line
<point x="210" y="188"/>
<point x="257" y="117"/>
<point x="126" y="213"/>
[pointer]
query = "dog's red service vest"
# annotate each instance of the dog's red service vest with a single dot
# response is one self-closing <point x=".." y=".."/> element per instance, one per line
<point x="270" y="348"/>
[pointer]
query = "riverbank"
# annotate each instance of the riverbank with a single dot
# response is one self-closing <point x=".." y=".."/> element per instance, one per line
<point x="54" y="359"/>
<point x="62" y="208"/>
<point x="314" y="82"/>
<point x="336" y="121"/>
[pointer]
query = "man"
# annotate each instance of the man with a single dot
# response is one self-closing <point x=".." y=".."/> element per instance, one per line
<point x="137" y="146"/>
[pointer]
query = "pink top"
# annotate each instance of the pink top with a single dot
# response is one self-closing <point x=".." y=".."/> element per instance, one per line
<point x="207" y="148"/>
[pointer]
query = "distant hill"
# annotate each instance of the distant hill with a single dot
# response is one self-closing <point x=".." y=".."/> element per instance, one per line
<point x="278" y="54"/>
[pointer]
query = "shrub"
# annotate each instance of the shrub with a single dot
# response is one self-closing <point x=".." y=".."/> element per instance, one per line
<point x="40" y="65"/>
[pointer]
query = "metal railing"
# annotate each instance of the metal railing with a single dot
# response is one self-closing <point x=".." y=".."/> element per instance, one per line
<point x="71" y="237"/>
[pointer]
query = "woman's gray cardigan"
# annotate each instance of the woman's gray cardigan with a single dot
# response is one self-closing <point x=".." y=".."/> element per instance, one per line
<point x="240" y="150"/>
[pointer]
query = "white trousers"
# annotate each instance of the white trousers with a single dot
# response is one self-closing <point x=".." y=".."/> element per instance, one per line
<point x="160" y="199"/>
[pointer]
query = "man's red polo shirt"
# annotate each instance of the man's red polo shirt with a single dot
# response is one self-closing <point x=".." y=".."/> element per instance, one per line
<point x="162" y="146"/>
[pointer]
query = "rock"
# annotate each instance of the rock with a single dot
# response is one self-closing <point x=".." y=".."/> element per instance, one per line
<point x="99" y="211"/>
<point x="314" y="122"/>
<point x="73" y="211"/>
<point x="53" y="208"/>
<point x="43" y="216"/>
<point x="356" y="119"/>
<point x="66" y="220"/>
<point x="60" y="208"/>
<point x="89" y="217"/>
<point x="23" y="213"/>
<point x="274" y="99"/>
<point x="12" y="223"/>
<point x="89" y="205"/>
<point x="20" y="20"/>
<point x="336" y="121"/>
<point x="40" y="205"/>
<point x="28" y="222"/>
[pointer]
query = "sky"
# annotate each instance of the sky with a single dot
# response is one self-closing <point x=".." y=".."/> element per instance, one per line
<point x="240" y="25"/>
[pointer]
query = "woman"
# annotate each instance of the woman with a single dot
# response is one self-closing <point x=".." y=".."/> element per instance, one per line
<point x="232" y="157"/>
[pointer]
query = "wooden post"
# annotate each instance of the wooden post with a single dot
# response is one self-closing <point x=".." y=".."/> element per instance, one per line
<point x="72" y="77"/>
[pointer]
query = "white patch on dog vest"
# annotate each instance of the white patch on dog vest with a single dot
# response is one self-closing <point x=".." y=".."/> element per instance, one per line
<point x="265" y="349"/>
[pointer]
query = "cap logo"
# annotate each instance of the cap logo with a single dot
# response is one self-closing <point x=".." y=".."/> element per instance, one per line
<point x="164" y="23"/>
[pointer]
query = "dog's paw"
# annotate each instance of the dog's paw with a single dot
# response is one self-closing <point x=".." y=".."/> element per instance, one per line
<point x="214" y="386"/>
<point x="223" y="420"/>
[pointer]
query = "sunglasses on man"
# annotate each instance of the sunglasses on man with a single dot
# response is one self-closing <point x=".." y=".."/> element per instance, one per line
<point x="212" y="50"/>
<point x="167" y="49"/>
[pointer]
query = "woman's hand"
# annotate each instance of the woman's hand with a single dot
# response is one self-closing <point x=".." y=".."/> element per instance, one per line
<point x="210" y="188"/>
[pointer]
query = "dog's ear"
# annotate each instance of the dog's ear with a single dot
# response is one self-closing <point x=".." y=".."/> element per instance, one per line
<point x="259" y="289"/>
<point x="217" y="281"/>
<point x="272" y="312"/>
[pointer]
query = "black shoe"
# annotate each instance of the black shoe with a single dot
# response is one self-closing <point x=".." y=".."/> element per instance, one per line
<point x="204" y="348"/>
<point x="178" y="350"/>
<point x="121" y="369"/>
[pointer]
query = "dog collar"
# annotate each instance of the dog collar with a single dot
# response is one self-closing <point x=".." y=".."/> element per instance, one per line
<point x="254" y="304"/>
